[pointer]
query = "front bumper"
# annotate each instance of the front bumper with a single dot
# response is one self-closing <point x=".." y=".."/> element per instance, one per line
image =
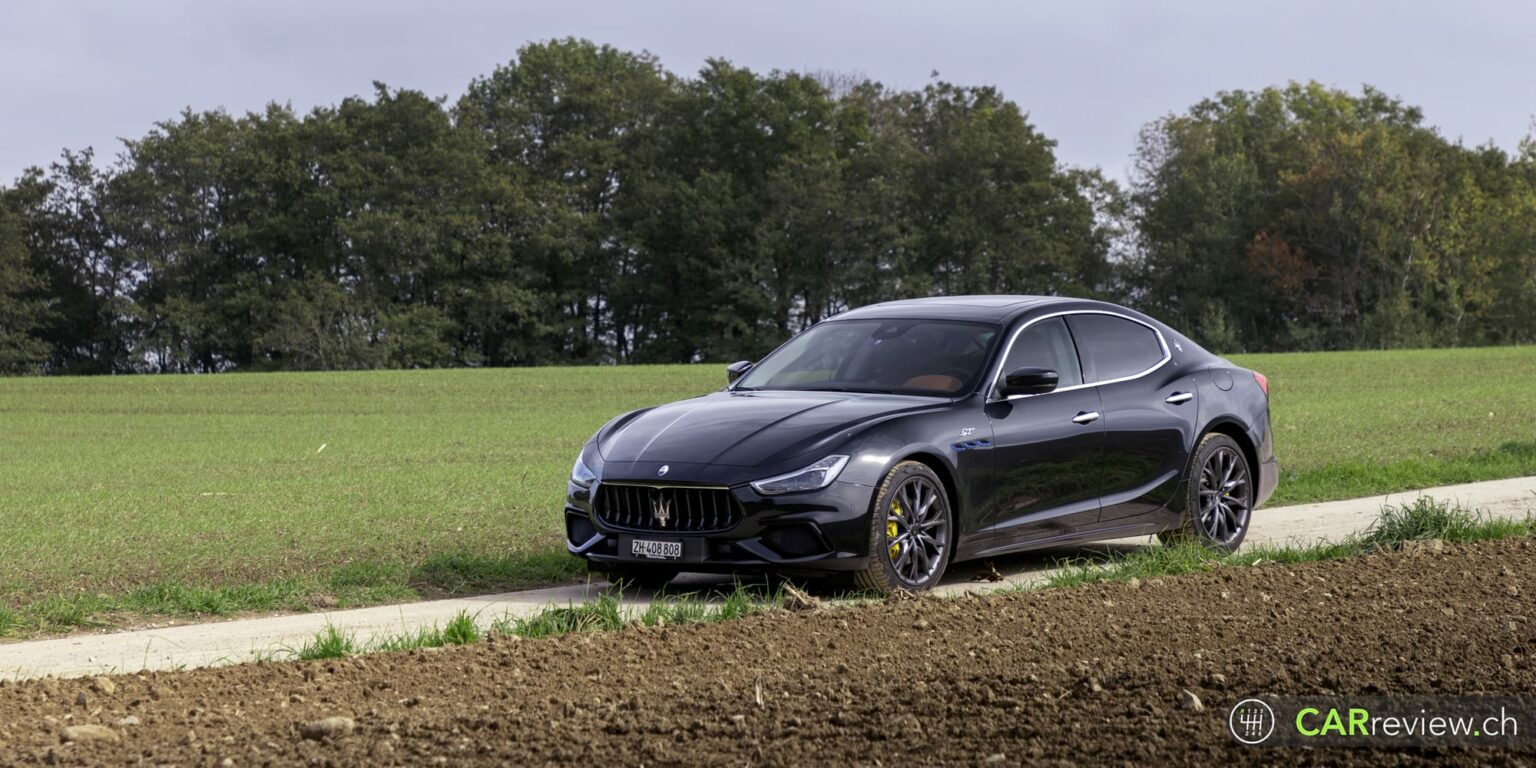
<point x="797" y="533"/>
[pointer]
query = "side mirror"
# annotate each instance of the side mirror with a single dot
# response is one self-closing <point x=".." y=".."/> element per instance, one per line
<point x="1028" y="381"/>
<point x="736" y="370"/>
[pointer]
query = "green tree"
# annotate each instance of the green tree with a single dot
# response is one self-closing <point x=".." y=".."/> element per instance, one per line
<point x="405" y="188"/>
<point x="22" y="310"/>
<point x="990" y="210"/>
<point x="566" y="127"/>
<point x="194" y="191"/>
<point x="738" y="233"/>
<point x="1305" y="217"/>
<point x="88" y="276"/>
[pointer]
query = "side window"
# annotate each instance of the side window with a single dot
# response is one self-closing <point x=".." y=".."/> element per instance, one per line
<point x="1113" y="347"/>
<point x="1046" y="344"/>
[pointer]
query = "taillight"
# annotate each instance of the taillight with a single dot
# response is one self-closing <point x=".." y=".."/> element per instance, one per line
<point x="1263" y="382"/>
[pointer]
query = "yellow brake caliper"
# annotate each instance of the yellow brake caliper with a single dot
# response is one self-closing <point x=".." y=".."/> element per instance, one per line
<point x="890" y="531"/>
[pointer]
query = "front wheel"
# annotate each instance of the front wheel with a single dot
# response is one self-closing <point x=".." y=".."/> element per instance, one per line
<point x="910" y="532"/>
<point x="1220" y="500"/>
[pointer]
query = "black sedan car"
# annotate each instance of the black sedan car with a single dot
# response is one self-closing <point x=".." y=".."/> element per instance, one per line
<point x="892" y="440"/>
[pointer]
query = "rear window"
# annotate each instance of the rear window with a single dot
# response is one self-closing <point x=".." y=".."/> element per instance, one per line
<point x="1113" y="347"/>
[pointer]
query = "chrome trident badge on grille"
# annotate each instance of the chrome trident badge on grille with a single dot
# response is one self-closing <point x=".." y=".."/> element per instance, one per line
<point x="661" y="509"/>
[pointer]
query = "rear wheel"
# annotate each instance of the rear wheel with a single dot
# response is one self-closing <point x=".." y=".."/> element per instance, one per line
<point x="910" y="532"/>
<point x="1220" y="500"/>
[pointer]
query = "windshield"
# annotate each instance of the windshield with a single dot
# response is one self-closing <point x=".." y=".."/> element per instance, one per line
<point x="909" y="357"/>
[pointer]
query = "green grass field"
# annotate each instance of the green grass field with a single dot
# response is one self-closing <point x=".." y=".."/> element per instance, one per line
<point x="221" y="494"/>
<point x="1351" y="424"/>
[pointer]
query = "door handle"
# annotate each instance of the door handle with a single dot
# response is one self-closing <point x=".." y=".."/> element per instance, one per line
<point x="1180" y="397"/>
<point x="1086" y="417"/>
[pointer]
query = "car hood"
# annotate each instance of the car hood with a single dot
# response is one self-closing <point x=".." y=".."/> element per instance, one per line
<point x="747" y="428"/>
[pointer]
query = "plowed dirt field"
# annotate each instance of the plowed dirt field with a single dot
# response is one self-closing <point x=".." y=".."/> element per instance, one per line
<point x="1075" y="676"/>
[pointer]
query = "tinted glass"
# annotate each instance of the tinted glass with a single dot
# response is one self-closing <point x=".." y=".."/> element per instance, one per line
<point x="1046" y="344"/>
<point x="1113" y="347"/>
<point x="918" y="357"/>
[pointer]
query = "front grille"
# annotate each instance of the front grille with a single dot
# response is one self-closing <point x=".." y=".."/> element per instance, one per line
<point x="673" y="508"/>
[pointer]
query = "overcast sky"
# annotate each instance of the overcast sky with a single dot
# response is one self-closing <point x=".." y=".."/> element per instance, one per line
<point x="1090" y="74"/>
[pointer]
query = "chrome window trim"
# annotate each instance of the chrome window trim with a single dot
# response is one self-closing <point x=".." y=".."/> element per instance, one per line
<point x="1008" y="350"/>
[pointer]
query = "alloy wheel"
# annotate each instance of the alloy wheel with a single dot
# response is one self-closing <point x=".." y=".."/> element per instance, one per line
<point x="917" y="530"/>
<point x="1224" y="494"/>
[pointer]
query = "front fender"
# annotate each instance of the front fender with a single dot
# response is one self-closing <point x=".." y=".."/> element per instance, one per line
<point x="955" y="442"/>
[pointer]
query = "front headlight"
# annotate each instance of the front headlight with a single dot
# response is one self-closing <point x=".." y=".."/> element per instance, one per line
<point x="818" y="475"/>
<point x="581" y="475"/>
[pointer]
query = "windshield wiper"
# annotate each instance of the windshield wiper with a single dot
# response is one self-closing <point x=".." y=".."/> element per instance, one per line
<point x="861" y="390"/>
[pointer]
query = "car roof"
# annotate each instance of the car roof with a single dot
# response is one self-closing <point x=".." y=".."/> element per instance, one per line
<point x="991" y="309"/>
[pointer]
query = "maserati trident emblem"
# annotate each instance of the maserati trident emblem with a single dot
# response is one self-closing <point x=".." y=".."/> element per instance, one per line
<point x="661" y="509"/>
<point x="665" y="468"/>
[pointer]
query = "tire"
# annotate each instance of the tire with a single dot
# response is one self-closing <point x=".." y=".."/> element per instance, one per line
<point x="649" y="579"/>
<point x="1218" y="504"/>
<point x="911" y="498"/>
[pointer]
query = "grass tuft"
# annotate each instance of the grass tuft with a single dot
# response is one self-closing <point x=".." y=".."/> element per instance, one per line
<point x="330" y="643"/>
<point x="1424" y="519"/>
<point x="71" y="611"/>
<point x="426" y="637"/>
<point x="606" y="613"/>
<point x="182" y="599"/>
<point x="600" y="615"/>
<point x="355" y="584"/>
<point x="461" y="630"/>
<point x="1293" y="553"/>
<point x="1144" y="563"/>
<point x="465" y="572"/>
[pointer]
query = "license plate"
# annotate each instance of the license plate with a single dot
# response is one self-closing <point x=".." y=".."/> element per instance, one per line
<point x="656" y="550"/>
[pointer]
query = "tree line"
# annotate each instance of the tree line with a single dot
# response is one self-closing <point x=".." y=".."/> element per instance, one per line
<point x="582" y="204"/>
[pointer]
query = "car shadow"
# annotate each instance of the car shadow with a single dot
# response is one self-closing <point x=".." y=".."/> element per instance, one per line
<point x="977" y="575"/>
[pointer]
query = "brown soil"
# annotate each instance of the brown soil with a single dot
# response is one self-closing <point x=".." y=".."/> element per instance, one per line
<point x="1077" y="676"/>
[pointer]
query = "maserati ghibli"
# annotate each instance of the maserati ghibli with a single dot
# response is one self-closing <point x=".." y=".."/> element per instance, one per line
<point x="886" y="443"/>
